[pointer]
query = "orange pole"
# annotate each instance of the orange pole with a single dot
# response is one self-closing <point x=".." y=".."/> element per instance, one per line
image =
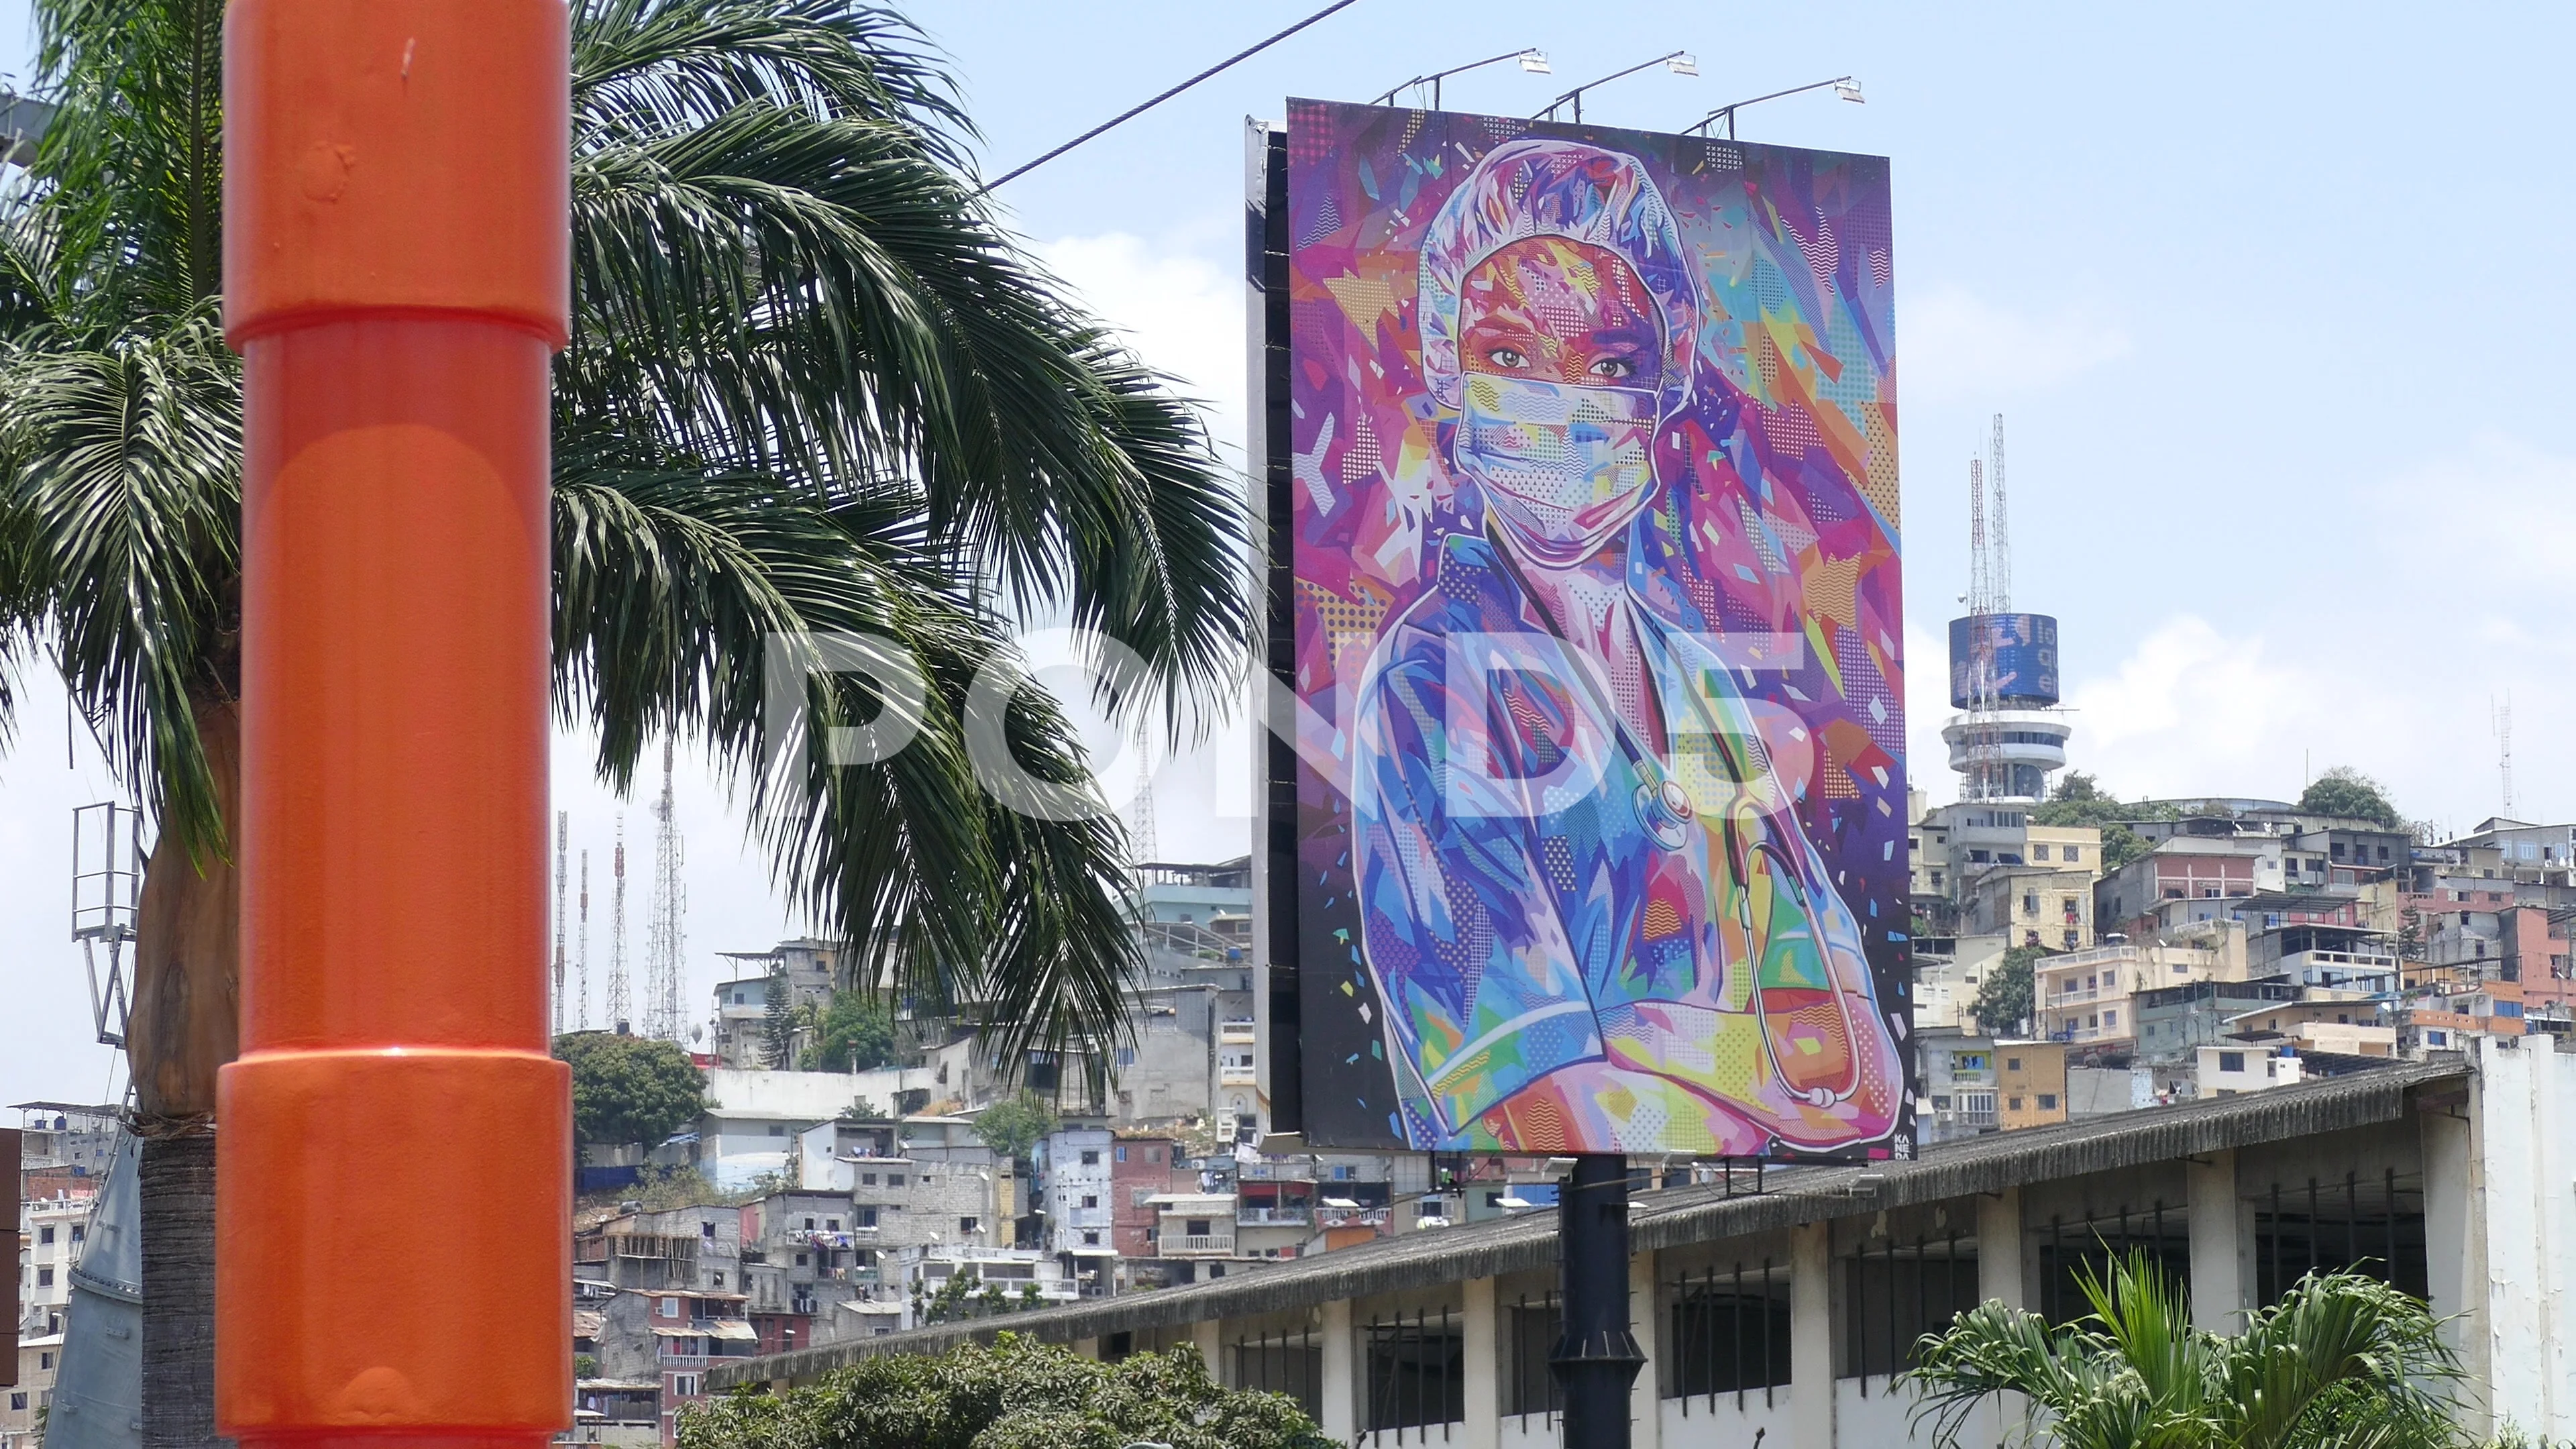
<point x="393" y="1203"/>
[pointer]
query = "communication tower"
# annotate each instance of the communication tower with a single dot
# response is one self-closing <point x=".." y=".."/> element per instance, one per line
<point x="1142" y="846"/>
<point x="665" y="932"/>
<point x="2003" y="665"/>
<point x="563" y="840"/>
<point x="619" y="1018"/>
<point x="2504" y="750"/>
<point x="581" y="949"/>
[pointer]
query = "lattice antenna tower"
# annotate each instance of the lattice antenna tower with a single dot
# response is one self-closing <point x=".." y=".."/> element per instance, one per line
<point x="581" y="956"/>
<point x="563" y="842"/>
<point x="619" y="1018"/>
<point x="1142" y="845"/>
<point x="1999" y="569"/>
<point x="666" y="931"/>
<point x="2504" y="749"/>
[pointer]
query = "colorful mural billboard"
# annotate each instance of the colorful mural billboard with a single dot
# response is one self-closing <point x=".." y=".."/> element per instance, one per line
<point x="1590" y="501"/>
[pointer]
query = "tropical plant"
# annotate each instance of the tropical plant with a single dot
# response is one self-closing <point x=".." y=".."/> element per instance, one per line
<point x="1013" y="1125"/>
<point x="629" y="1090"/>
<point x="855" y="1034"/>
<point x="1017" y="1394"/>
<point x="813" y="387"/>
<point x="2343" y="1361"/>
<point x="2348" y="792"/>
<point x="2004" y="1001"/>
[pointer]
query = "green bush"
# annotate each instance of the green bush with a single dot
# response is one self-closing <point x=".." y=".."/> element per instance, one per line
<point x="1017" y="1394"/>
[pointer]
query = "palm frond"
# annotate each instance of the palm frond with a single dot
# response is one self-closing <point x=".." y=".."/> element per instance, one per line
<point x="120" y="487"/>
<point x="135" y="152"/>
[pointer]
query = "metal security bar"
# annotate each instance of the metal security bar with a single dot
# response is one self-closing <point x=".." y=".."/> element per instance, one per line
<point x="1536" y="1324"/>
<point x="1417" y="1376"/>
<point x="2159" y="1229"/>
<point x="1729" y="1335"/>
<point x="1894" y="1293"/>
<point x="2356" y="1224"/>
<point x="1287" y="1362"/>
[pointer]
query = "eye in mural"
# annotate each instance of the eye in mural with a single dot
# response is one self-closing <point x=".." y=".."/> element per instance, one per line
<point x="1600" y="825"/>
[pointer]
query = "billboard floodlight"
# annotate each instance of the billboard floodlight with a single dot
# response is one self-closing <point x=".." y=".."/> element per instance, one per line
<point x="1679" y="62"/>
<point x="1845" y="87"/>
<point x="1531" y="58"/>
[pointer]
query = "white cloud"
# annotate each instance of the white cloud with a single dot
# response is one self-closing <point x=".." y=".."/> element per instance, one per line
<point x="1959" y="346"/>
<point x="1182" y="311"/>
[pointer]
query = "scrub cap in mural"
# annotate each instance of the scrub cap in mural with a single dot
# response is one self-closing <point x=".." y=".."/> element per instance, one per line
<point x="1546" y="188"/>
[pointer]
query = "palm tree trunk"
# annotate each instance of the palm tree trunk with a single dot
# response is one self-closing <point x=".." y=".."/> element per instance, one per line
<point x="187" y="989"/>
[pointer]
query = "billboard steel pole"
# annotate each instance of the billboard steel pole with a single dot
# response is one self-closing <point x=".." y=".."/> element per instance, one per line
<point x="396" y="277"/>
<point x="1596" y="1359"/>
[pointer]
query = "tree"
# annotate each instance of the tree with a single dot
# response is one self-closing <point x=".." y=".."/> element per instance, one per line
<point x="1012" y="1126"/>
<point x="2004" y="1000"/>
<point x="814" y="387"/>
<point x="2348" y="792"/>
<point x="2080" y="801"/>
<point x="2341" y="1362"/>
<point x="856" y="1034"/>
<point x="778" y="1024"/>
<point x="629" y="1089"/>
<point x="1017" y="1394"/>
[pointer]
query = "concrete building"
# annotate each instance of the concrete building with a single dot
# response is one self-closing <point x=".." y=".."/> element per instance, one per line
<point x="2088" y="998"/>
<point x="738" y="1025"/>
<point x="1784" y="1313"/>
<point x="53" y="1220"/>
<point x="1075" y="1164"/>
<point x="671" y="1250"/>
<point x="24" y="1403"/>
<point x="671" y="1340"/>
<point x="802" y="1257"/>
<point x="2184" y="880"/>
<point x="1949" y="973"/>
<point x="2228" y="1070"/>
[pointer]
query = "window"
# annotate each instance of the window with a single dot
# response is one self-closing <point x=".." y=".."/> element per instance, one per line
<point x="867" y="1217"/>
<point x="831" y="1225"/>
<point x="2048" y="1101"/>
<point x="2030" y="903"/>
<point x="2012" y="1064"/>
<point x="1122" y="1152"/>
<point x="777" y="1129"/>
<point x="2013" y="1102"/>
<point x="1091" y="1157"/>
<point x="2039" y="852"/>
<point x="76" y="1232"/>
<point x="2231" y="1061"/>
<point x="800" y="1260"/>
<point x="670" y="1308"/>
<point x="969" y="1224"/>
<point x="809" y="1225"/>
<point x="1216" y="1270"/>
<point x="45" y="1234"/>
<point x="867" y="1179"/>
<point x="2111" y="1018"/>
<point x="684" y="1385"/>
<point x="44" y="1277"/>
<point x="1091" y="1239"/>
<point x="1090" y="1200"/>
<point x="17" y="1401"/>
<point x="2071" y="854"/>
<point x="1941" y="1101"/>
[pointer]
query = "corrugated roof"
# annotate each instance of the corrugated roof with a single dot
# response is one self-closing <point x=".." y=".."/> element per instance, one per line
<point x="1676" y="1217"/>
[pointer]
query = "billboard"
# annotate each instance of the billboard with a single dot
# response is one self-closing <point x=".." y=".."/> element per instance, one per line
<point x="2025" y="654"/>
<point x="1582" y="450"/>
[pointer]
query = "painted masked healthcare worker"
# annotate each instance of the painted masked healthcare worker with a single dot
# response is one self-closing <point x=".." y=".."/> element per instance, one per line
<point x="1594" y="918"/>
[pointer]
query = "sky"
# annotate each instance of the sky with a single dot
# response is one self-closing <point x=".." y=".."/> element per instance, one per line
<point x="2273" y="300"/>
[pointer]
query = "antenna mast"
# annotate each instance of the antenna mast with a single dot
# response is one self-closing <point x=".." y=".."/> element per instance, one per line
<point x="1141" y="843"/>
<point x="1989" y="594"/>
<point x="665" y="932"/>
<point x="2504" y="749"/>
<point x="2000" y="569"/>
<point x="581" y="961"/>
<point x="563" y="840"/>
<point x="619" y="1018"/>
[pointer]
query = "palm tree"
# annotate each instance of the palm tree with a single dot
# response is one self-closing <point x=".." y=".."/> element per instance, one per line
<point x="812" y="386"/>
<point x="2343" y="1361"/>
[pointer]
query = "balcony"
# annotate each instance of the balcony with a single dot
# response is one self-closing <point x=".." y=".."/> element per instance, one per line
<point x="1197" y="1245"/>
<point x="2075" y="994"/>
<point x="1268" y="1217"/>
<point x="1237" y="1076"/>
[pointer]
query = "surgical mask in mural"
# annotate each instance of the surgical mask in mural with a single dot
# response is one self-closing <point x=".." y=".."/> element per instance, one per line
<point x="1564" y="468"/>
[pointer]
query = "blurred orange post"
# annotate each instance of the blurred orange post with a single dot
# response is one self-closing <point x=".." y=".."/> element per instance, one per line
<point x="393" y="1237"/>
